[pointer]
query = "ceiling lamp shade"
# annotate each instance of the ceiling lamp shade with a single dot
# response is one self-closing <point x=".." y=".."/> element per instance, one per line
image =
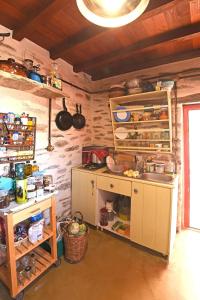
<point x="111" y="13"/>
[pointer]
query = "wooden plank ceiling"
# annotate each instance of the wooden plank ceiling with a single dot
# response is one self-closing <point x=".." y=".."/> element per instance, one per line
<point x="168" y="31"/>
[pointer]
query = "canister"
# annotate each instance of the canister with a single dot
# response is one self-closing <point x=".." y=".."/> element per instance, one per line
<point x="160" y="168"/>
<point x="21" y="190"/>
<point x="150" y="167"/>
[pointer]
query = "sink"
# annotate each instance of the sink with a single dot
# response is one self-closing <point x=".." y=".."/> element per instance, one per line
<point x="157" y="177"/>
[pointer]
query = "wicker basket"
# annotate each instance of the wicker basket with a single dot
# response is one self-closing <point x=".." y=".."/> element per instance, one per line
<point x="75" y="246"/>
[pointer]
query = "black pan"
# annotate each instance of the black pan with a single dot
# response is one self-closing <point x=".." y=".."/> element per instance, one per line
<point x="78" y="119"/>
<point x="63" y="118"/>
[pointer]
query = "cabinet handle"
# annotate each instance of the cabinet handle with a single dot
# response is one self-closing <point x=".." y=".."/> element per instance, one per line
<point x="135" y="191"/>
<point x="36" y="211"/>
<point x="111" y="186"/>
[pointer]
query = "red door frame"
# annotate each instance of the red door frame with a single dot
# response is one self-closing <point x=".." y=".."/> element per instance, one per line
<point x="186" y="109"/>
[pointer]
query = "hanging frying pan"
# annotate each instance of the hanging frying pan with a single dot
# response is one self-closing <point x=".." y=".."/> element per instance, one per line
<point x="78" y="119"/>
<point x="63" y="118"/>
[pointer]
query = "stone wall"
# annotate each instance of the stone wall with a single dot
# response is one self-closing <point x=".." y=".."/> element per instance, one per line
<point x="68" y="144"/>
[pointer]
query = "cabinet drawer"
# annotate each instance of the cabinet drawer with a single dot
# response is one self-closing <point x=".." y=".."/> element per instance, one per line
<point x="118" y="186"/>
<point x="30" y="211"/>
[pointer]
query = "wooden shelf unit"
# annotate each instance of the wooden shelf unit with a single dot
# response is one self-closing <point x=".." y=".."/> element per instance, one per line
<point x="7" y="129"/>
<point x="8" y="271"/>
<point x="151" y="131"/>
<point x="30" y="86"/>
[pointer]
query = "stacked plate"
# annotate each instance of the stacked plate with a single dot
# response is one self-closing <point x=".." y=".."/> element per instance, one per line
<point x="123" y="116"/>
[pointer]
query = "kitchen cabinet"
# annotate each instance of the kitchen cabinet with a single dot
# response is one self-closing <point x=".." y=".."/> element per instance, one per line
<point x="44" y="259"/>
<point x="142" y="122"/>
<point x="153" y="206"/>
<point x="84" y="195"/>
<point x="152" y="216"/>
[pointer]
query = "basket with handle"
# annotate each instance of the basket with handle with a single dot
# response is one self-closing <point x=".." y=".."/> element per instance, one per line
<point x="75" y="245"/>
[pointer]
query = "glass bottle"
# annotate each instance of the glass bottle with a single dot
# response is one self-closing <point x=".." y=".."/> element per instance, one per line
<point x="35" y="167"/>
<point x="28" y="168"/>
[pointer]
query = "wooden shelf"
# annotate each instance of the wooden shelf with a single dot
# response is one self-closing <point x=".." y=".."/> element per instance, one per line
<point x="145" y="130"/>
<point x="143" y="102"/>
<point x="43" y="262"/>
<point x="142" y="140"/>
<point x="142" y="108"/>
<point x="20" y="83"/>
<point x="109" y="227"/>
<point x="27" y="246"/>
<point x="142" y="122"/>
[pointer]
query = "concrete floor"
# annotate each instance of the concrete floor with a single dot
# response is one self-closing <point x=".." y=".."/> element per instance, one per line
<point x="114" y="269"/>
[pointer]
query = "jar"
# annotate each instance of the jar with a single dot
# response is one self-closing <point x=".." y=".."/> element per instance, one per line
<point x="150" y="167"/>
<point x="15" y="136"/>
<point x="28" y="168"/>
<point x="103" y="217"/>
<point x="163" y="114"/>
<point x="47" y="180"/>
<point x="4" y="199"/>
<point x="31" y="191"/>
<point x="160" y="168"/>
<point x="11" y="117"/>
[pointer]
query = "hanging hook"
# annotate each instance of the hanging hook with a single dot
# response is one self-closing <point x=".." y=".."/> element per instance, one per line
<point x="4" y="35"/>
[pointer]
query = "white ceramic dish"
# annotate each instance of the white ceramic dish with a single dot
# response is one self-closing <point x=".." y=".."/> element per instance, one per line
<point x="121" y="133"/>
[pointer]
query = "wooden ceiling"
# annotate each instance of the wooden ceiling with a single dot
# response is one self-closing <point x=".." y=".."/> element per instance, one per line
<point x="168" y="31"/>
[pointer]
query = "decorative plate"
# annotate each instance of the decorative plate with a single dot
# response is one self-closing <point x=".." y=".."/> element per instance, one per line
<point x="123" y="116"/>
<point x="121" y="133"/>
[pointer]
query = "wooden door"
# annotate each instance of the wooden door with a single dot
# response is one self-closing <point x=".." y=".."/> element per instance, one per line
<point x="151" y="216"/>
<point x="136" y="213"/>
<point x="84" y="195"/>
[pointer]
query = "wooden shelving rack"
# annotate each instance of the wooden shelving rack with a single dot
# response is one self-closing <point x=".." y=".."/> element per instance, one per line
<point x="8" y="271"/>
<point x="141" y="103"/>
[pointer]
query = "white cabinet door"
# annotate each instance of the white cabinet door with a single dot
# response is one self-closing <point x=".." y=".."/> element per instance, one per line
<point x="84" y="195"/>
<point x="151" y="216"/>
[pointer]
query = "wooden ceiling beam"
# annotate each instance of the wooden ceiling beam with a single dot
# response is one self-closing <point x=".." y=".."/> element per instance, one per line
<point x="132" y="66"/>
<point x="183" y="33"/>
<point x="61" y="49"/>
<point x="47" y="10"/>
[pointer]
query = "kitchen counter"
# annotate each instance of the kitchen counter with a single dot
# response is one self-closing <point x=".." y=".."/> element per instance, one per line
<point x="105" y="172"/>
<point x="16" y="207"/>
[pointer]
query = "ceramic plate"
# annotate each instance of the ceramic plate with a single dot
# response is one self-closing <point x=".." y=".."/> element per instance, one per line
<point x="123" y="116"/>
<point x="121" y="133"/>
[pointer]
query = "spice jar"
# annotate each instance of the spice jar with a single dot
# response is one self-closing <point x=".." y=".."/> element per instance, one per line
<point x="163" y="114"/>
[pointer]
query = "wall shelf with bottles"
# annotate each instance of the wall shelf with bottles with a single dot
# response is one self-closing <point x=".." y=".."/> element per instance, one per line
<point x="17" y="137"/>
<point x="142" y="122"/>
<point x="24" y="84"/>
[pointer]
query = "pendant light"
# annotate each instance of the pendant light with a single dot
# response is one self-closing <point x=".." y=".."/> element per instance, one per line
<point x="111" y="13"/>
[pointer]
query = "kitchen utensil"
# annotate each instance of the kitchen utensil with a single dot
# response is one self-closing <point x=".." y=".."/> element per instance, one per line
<point x="121" y="133"/>
<point x="122" y="116"/>
<point x="11" y="66"/>
<point x="50" y="147"/>
<point x="78" y="118"/>
<point x="35" y="76"/>
<point x="64" y="119"/>
<point x="94" y="155"/>
<point x="83" y="121"/>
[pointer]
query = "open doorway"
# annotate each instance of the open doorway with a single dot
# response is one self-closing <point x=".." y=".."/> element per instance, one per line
<point x="191" y="115"/>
